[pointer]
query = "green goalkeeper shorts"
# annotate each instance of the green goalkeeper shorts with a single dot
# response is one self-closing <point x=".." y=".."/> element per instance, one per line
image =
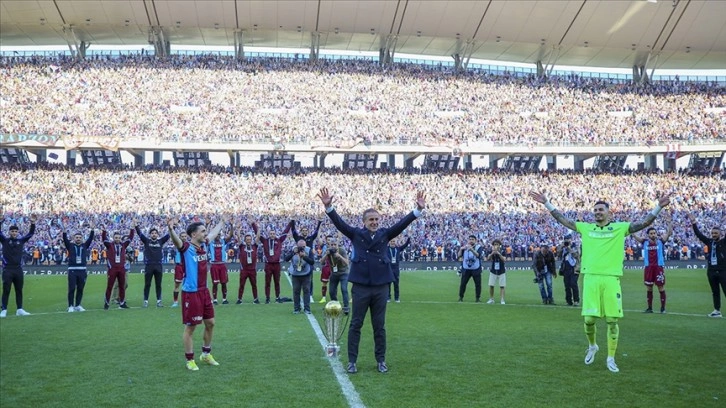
<point x="601" y="296"/>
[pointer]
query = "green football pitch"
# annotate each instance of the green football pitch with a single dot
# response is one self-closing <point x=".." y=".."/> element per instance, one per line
<point x="441" y="353"/>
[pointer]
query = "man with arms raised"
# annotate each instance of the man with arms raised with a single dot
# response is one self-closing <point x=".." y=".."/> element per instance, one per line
<point x="716" y="259"/>
<point x="13" y="248"/>
<point x="654" y="257"/>
<point x="248" y="264"/>
<point x="153" y="258"/>
<point x="116" y="261"/>
<point x="310" y="243"/>
<point x="272" y="245"/>
<point x="78" y="254"/>
<point x="370" y="273"/>
<point x="603" y="253"/>
<point x="196" y="302"/>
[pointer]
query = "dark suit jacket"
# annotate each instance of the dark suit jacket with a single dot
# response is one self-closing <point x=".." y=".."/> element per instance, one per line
<point x="370" y="261"/>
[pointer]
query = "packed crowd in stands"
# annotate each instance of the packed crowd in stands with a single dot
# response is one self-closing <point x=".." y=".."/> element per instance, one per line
<point x="490" y="204"/>
<point x="342" y="103"/>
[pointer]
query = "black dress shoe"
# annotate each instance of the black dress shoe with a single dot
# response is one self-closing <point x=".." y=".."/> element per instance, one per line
<point x="382" y="367"/>
<point x="352" y="369"/>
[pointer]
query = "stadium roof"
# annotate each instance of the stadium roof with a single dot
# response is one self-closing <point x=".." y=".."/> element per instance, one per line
<point x="683" y="34"/>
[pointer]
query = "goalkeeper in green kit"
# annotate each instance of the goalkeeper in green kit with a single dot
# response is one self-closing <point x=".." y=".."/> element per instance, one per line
<point x="603" y="253"/>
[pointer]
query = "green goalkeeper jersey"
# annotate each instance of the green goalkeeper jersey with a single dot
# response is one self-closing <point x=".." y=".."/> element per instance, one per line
<point x="603" y="248"/>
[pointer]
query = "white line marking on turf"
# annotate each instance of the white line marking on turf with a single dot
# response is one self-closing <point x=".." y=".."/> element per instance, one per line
<point x="347" y="387"/>
<point x="556" y="307"/>
<point x="422" y="302"/>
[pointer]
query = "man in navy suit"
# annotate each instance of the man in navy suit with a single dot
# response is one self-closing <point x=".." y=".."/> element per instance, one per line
<point x="370" y="273"/>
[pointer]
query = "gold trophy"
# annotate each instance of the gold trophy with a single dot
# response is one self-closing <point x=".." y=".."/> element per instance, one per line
<point x="334" y="327"/>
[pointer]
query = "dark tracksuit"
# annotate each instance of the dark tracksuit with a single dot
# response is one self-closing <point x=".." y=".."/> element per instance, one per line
<point x="396" y="257"/>
<point x="12" y="266"/>
<point x="716" y="270"/>
<point x="77" y="273"/>
<point x="153" y="258"/>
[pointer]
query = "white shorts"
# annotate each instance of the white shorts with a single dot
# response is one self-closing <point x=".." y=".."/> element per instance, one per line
<point x="501" y="278"/>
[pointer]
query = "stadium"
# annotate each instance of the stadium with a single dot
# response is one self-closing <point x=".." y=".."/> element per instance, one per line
<point x="127" y="116"/>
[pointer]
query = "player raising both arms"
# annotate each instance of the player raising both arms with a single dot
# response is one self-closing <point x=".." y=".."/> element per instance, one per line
<point x="654" y="257"/>
<point x="218" y="259"/>
<point x="196" y="302"/>
<point x="248" y="262"/>
<point x="602" y="259"/>
<point x="178" y="270"/>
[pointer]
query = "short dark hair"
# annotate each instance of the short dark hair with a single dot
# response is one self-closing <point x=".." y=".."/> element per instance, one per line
<point x="649" y="229"/>
<point x="472" y="236"/>
<point x="13" y="228"/>
<point x="496" y="241"/>
<point x="248" y="235"/>
<point x="605" y="203"/>
<point x="153" y="229"/>
<point x="193" y="227"/>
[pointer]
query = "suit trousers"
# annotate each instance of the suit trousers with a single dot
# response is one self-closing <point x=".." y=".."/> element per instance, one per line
<point x="374" y="298"/>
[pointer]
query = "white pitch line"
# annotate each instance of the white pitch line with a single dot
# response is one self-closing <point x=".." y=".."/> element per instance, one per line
<point x="347" y="387"/>
<point x="556" y="307"/>
<point x="428" y="302"/>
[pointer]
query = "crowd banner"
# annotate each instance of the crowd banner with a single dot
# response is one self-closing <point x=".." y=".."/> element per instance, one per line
<point x="15" y="138"/>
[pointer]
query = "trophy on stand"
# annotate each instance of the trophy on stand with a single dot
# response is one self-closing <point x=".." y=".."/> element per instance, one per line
<point x="334" y="327"/>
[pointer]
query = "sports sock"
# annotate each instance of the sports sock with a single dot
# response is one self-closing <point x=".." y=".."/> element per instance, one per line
<point x="176" y="295"/>
<point x="206" y="349"/>
<point x="325" y="290"/>
<point x="224" y="291"/>
<point x="590" y="330"/>
<point x="189" y="356"/>
<point x="613" y="333"/>
<point x="650" y="299"/>
<point x="662" y="299"/>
